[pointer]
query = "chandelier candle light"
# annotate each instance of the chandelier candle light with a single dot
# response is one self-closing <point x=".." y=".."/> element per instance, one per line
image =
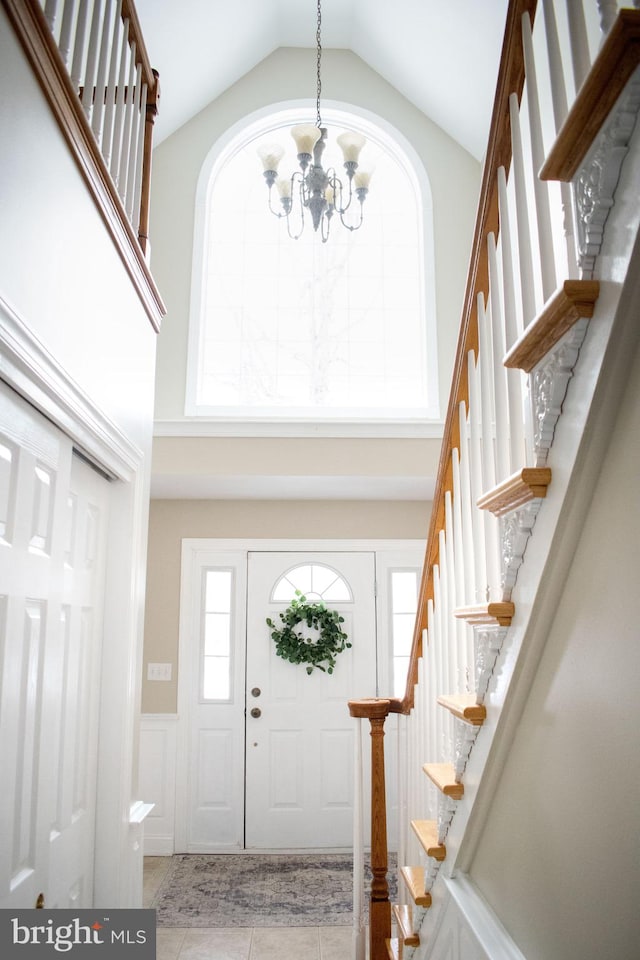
<point x="314" y="188"/>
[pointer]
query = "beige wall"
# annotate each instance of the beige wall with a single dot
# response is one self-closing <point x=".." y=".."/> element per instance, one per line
<point x="171" y="520"/>
<point x="264" y="467"/>
<point x="559" y="855"/>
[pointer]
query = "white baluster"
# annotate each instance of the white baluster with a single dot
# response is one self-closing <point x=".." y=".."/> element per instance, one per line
<point x="64" y="44"/>
<point x="580" y="59"/>
<point x="89" y="93"/>
<point x="608" y="10"/>
<point x="358" y="848"/>
<point x="492" y="541"/>
<point x="125" y="159"/>
<point x="468" y="546"/>
<point x="479" y="553"/>
<point x="424" y="720"/>
<point x="559" y="101"/>
<point x="452" y="565"/>
<point x="514" y="378"/>
<point x="139" y="161"/>
<point x="50" y="12"/>
<point x="116" y="150"/>
<point x="485" y="366"/>
<point x="77" y="63"/>
<point x="503" y="465"/>
<point x="438" y="654"/>
<point x="101" y="77"/>
<point x="110" y="99"/>
<point x="401" y="787"/>
<point x="468" y="543"/>
<point x="527" y="281"/>
<point x="133" y="146"/>
<point x="459" y="561"/>
<point x="541" y="189"/>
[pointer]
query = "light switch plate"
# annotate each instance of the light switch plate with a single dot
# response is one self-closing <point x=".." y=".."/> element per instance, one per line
<point x="158" y="671"/>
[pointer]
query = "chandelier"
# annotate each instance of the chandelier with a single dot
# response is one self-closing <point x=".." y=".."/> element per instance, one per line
<point x="313" y="188"/>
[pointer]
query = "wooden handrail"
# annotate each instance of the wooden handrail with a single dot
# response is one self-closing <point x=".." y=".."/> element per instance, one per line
<point x="510" y="80"/>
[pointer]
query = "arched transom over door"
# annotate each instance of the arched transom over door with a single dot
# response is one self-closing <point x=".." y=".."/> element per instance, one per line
<point x="299" y="736"/>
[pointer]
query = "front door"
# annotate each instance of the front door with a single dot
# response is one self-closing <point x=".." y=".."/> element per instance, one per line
<point x="299" y="735"/>
<point x="280" y="776"/>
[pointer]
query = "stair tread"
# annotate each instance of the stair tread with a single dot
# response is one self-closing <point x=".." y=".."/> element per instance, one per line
<point x="465" y="707"/>
<point x="527" y="484"/>
<point x="496" y="612"/>
<point x="404" y="920"/>
<point x="443" y="775"/>
<point x="427" y="833"/>
<point x="414" y="880"/>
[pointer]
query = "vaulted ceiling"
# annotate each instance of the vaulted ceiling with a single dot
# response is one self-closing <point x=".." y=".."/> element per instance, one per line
<point x="442" y="55"/>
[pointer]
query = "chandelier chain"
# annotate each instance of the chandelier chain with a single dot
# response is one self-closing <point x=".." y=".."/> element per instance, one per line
<point x="318" y="61"/>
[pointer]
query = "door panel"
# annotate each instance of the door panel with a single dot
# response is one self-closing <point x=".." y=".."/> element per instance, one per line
<point x="299" y="759"/>
<point x="52" y="541"/>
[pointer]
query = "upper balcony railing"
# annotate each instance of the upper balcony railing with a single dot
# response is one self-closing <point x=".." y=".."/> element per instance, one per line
<point x="93" y="67"/>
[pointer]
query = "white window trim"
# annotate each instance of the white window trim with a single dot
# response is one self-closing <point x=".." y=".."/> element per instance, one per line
<point x="246" y="424"/>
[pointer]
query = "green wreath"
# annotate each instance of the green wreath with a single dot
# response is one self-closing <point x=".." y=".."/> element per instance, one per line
<point x="292" y="645"/>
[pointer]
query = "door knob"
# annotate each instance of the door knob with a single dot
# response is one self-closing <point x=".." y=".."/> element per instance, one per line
<point x="256" y="691"/>
<point x="256" y="712"/>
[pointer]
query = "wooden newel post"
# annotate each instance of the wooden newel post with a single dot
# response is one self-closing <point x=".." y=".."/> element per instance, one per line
<point x="376" y="712"/>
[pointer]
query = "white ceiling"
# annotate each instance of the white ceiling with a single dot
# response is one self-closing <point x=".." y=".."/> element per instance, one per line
<point x="442" y="55"/>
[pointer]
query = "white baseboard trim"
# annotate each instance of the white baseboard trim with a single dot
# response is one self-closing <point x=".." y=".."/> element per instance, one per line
<point x="158" y="846"/>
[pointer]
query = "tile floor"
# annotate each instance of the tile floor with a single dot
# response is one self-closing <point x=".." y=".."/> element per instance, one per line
<point x="243" y="943"/>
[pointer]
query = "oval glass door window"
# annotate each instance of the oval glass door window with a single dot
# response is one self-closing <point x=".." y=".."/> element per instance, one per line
<point x="316" y="581"/>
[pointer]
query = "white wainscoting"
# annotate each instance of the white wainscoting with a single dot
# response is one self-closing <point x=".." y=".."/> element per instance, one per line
<point x="157" y="781"/>
<point x="467" y="928"/>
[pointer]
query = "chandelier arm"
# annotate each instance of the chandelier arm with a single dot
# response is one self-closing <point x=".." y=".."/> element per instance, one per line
<point x="338" y="189"/>
<point x="300" y="206"/>
<point x="325" y="226"/>
<point x="277" y="213"/>
<point x="357" y="225"/>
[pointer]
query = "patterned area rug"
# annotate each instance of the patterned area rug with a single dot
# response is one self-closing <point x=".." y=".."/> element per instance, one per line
<point x="251" y="890"/>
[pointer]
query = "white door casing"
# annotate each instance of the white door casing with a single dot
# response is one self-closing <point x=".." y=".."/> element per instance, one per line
<point x="210" y="795"/>
<point x="210" y="783"/>
<point x="54" y="513"/>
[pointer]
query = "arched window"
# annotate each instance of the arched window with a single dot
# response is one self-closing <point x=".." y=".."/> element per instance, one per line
<point x="285" y="329"/>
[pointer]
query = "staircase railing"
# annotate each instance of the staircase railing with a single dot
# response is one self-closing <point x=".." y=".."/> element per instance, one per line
<point x="91" y="60"/>
<point x="528" y="301"/>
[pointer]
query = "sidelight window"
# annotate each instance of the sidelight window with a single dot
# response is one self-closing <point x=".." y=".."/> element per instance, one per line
<point x="216" y="634"/>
